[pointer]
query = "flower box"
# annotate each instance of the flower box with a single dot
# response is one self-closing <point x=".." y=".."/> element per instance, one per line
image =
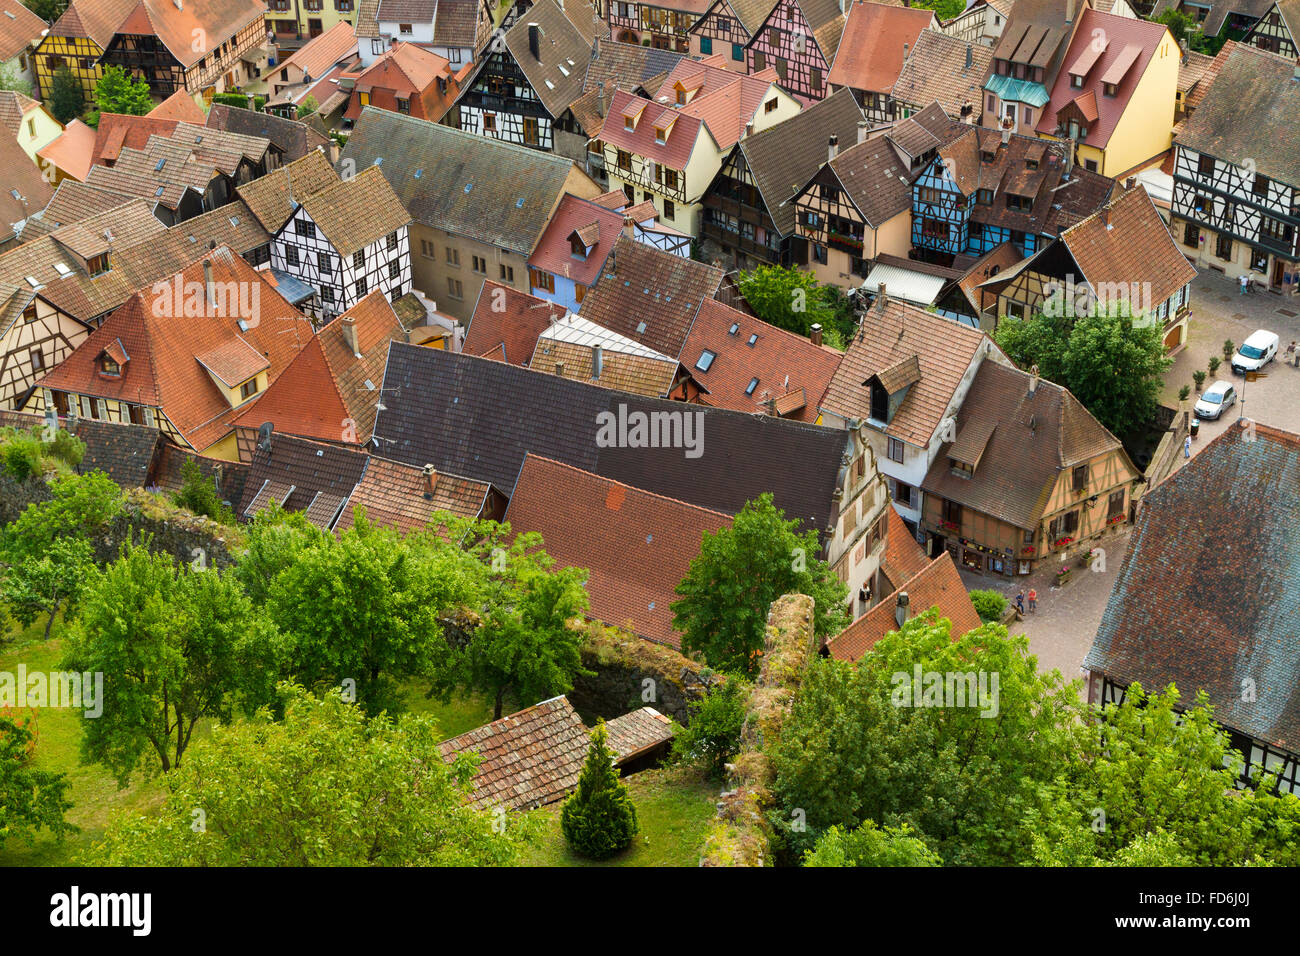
<point x="949" y="526"/>
<point x="1062" y="542"/>
<point x="1116" y="519"/>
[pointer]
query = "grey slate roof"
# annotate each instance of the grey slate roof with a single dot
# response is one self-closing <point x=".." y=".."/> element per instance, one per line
<point x="465" y="184"/>
<point x="479" y="418"/>
<point x="293" y="138"/>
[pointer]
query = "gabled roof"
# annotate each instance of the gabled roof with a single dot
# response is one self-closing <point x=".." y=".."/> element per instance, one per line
<point x="274" y="197"/>
<point x="500" y="413"/>
<point x="466" y="184"/>
<point x="70" y="152"/>
<point x="355" y="212"/>
<point x="316" y="478"/>
<point x="401" y="496"/>
<point x="683" y="130"/>
<point x="164" y="371"/>
<point x="782" y="158"/>
<point x="636" y="546"/>
<point x="650" y="296"/>
<point x="126" y="453"/>
<point x="118" y="131"/>
<point x="1250" y="83"/>
<point x="180" y="106"/>
<point x="72" y="202"/>
<point x="1043" y="434"/>
<point x="638" y="731"/>
<point x="13" y="107"/>
<point x="1127" y="242"/>
<point x="825" y="20"/>
<point x="938" y="585"/>
<point x="24" y="178"/>
<point x="175" y="25"/>
<point x="554" y="252"/>
<point x="1130" y="45"/>
<point x="936" y="71"/>
<point x="903" y="557"/>
<point x="323" y="392"/>
<point x="367" y="24"/>
<point x="19" y="28"/>
<point x="871" y="50"/>
<point x="505" y="323"/>
<point x="726" y="101"/>
<point x="295" y="140"/>
<point x="893" y="333"/>
<point x="750" y="13"/>
<point x="789" y="369"/>
<point x="556" y="74"/>
<point x="875" y="180"/>
<point x="322" y="53"/>
<point x="95" y="19"/>
<point x="567" y="348"/>
<point x="1180" y="611"/>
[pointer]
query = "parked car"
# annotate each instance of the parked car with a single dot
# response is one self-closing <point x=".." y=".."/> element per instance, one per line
<point x="1215" y="400"/>
<point x="1256" y="352"/>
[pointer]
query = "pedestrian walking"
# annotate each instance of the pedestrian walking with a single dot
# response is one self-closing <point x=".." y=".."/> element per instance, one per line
<point x="1245" y="284"/>
<point x="1187" y="447"/>
<point x="1020" y="603"/>
<point x="1033" y="600"/>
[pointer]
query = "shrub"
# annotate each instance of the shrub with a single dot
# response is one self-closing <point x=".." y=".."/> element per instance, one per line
<point x="712" y="737"/>
<point x="21" y="453"/>
<point x="1215" y="362"/>
<point x="67" y="448"/>
<point x="1184" y="392"/>
<point x="1199" y="378"/>
<point x="1229" y="347"/>
<point x="989" y="605"/>
<point x="599" y="819"/>
<point x="199" y="494"/>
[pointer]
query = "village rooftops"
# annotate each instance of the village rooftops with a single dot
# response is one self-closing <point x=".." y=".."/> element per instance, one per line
<point x="274" y="197"/>
<point x="355" y="212"/>
<point x="578" y="349"/>
<point x="295" y="140"/>
<point x="875" y="41"/>
<point x="577" y="240"/>
<point x="408" y="498"/>
<point x="943" y="69"/>
<point x="19" y="28"/>
<point x="506" y="323"/>
<point x="316" y="478"/>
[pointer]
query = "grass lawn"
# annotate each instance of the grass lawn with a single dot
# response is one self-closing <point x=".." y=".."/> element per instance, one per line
<point x="674" y="807"/>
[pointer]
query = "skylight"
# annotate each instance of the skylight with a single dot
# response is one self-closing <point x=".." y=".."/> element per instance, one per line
<point x="752" y="339"/>
<point x="62" y="269"/>
<point x="468" y="187"/>
<point x="159" y="165"/>
<point x="706" y="360"/>
<point x="735" y="327"/>
<point x="753" y="384"/>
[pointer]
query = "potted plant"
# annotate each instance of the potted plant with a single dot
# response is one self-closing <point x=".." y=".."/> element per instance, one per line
<point x="1184" y="392"/>
<point x="1199" y="378"/>
<point x="1215" y="362"/>
<point x="1063" y="576"/>
<point x="1228" y="348"/>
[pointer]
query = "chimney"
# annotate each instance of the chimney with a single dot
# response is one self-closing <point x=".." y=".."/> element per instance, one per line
<point x="208" y="295"/>
<point x="863" y="126"/>
<point x="1130" y="182"/>
<point x="430" y="480"/>
<point x="1105" y="218"/>
<point x="348" y="325"/>
<point x="559" y="369"/>
<point x="900" y="610"/>
<point x="749" y="128"/>
<point x="832" y="147"/>
<point x="815" y="334"/>
<point x="1033" y="380"/>
<point x="597" y="362"/>
<point x="882" y="297"/>
<point x="1006" y="135"/>
<point x="1069" y="11"/>
<point x="970" y="56"/>
<point x="602" y="100"/>
<point x="906" y="48"/>
<point x="534" y="41"/>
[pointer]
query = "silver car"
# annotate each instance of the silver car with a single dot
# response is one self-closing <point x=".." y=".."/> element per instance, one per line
<point x="1215" y="399"/>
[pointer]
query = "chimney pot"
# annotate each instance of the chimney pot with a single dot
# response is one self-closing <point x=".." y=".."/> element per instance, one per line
<point x="970" y="56"/>
<point x="1033" y="379"/>
<point x="832" y="147"/>
<point x="882" y="297"/>
<point x="900" y="610"/>
<point x="597" y="362"/>
<point x="815" y="333"/>
<point x="348" y="326"/>
<point x="207" y="283"/>
<point x="430" y="480"/>
<point x="559" y="369"/>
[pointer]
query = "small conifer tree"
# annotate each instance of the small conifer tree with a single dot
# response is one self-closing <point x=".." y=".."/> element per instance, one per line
<point x="599" y="819"/>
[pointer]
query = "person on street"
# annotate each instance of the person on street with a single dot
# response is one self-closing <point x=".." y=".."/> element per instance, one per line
<point x="1187" y="447"/>
<point x="1033" y="600"/>
<point x="1245" y="284"/>
<point x="1020" y="602"/>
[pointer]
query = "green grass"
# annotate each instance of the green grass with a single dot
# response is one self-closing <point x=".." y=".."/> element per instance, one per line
<point x="463" y="712"/>
<point x="674" y="807"/>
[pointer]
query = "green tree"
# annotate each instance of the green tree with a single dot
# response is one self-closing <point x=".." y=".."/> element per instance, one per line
<point x="31" y="800"/>
<point x="599" y="819"/>
<point x="48" y="584"/>
<point x="80" y="506"/>
<point x="711" y="736"/>
<point x="169" y="642"/>
<point x="989" y="605"/>
<point x="869" y="845"/>
<point x="307" y="107"/>
<point x="1041" y="340"/>
<point x="199" y="494"/>
<point x="791" y="299"/>
<point x="276" y="539"/>
<point x="115" y="92"/>
<point x="11" y="79"/>
<point x="47" y="10"/>
<point x="857" y="746"/>
<point x="737" y="575"/>
<point x="1180" y="24"/>
<point x="67" y="98"/>
<point x="322" y="787"/>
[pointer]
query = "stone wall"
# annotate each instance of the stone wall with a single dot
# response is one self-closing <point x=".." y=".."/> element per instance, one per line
<point x="623" y="664"/>
<point x="185" y="536"/>
<point x="742" y="836"/>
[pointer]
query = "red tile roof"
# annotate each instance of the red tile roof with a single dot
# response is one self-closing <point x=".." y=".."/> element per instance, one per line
<point x="554" y="252"/>
<point x="320" y="54"/>
<point x="19" y="27"/>
<point x="937" y="585"/>
<point x="505" y="318"/>
<point x="903" y="556"/>
<point x="401" y="496"/>
<point x="787" y="366"/>
<point x="180" y="106"/>
<point x="71" y="151"/>
<point x="870" y="54"/>
<point x="637" y="546"/>
<point x="215" y="20"/>
<point x="164" y="371"/>
<point x="118" y="131"/>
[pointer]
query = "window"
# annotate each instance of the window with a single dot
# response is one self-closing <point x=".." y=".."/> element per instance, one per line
<point x="896" y="450"/>
<point x="770" y="105"/>
<point x="624" y="160"/>
<point x="359" y="259"/>
<point x="1109" y="89"/>
<point x="1191" y="234"/>
<point x="1205" y="165"/>
<point x="479" y="265"/>
<point x="489" y="122"/>
<point x="327" y="295"/>
<point x="109" y="367"/>
<point x="1115" y="504"/>
<point x="453" y="257"/>
<point x="737" y="52"/>
<point x="542" y="280"/>
<point x="507" y="273"/>
<point x="760" y="62"/>
<point x="426" y="249"/>
<point x="753" y="384"/>
<point x="879" y="410"/>
<point x="706" y="45"/>
<point x="670" y="211"/>
<point x="753" y="339"/>
<point x="1021" y="203"/>
<point x="705" y="360"/>
<point x="404" y="29"/>
<point x="984" y="197"/>
<point x="993" y="103"/>
<point x="361" y="287"/>
<point x="248" y="389"/>
<point x="1029" y="116"/>
<point x="903" y="494"/>
<point x="1079" y="478"/>
<point x="392" y="240"/>
<point x="952" y="514"/>
<point x="325" y="262"/>
<point x="343" y="6"/>
<point x="1090" y="165"/>
<point x="454" y="288"/>
<point x="291" y="255"/>
<point x="1063" y="526"/>
<point x="1076" y="81"/>
<point x="815" y="78"/>
<point x="819" y="253"/>
<point x="38" y="360"/>
<point x="1260" y="186"/>
<point x="1223" y="247"/>
<point x="403" y="105"/>
<point x="394" y="269"/>
<point x="29" y="313"/>
<point x="531" y="136"/>
<point x="779" y="64"/>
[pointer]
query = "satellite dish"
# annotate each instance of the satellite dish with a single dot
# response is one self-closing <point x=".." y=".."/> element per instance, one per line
<point x="264" y="436"/>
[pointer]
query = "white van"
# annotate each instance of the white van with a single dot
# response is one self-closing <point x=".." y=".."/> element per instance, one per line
<point x="1256" y="352"/>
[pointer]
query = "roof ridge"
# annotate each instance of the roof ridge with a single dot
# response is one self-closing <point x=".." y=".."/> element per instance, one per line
<point x="536" y="155"/>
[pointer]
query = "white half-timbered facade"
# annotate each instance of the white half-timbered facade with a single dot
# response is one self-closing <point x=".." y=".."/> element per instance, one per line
<point x="36" y="337"/>
<point x="302" y="250"/>
<point x="788" y="43"/>
<point x="1278" y="30"/>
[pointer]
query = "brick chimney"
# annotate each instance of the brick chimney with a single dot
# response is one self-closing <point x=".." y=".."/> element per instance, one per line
<point x="882" y="298"/>
<point x="348" y="326"/>
<point x="1033" y="380"/>
<point x="815" y="333"/>
<point x="429" y="478"/>
<point x="559" y="369"/>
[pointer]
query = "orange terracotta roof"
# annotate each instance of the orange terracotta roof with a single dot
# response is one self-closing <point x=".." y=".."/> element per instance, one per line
<point x="595" y="224"/>
<point x="180" y="106"/>
<point x="19" y="28"/>
<point x="870" y="54"/>
<point x="118" y="131"/>
<point x="320" y="54"/>
<point x="401" y="496"/>
<point x="507" y="322"/>
<point x="71" y="150"/>
<point x="903" y="556"/>
<point x="637" y="546"/>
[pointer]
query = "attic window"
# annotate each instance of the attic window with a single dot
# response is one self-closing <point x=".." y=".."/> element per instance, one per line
<point x="735" y="327"/>
<point x="661" y="135"/>
<point x="752" y="339"/>
<point x="986" y="156"/>
<point x="62" y="269"/>
<point x="681" y="97"/>
<point x="753" y="384"/>
<point x="577" y="248"/>
<point x="1031" y="164"/>
<point x="108" y="367"/>
<point x="159" y="165"/>
<point x="706" y="360"/>
<point x="629" y="122"/>
<point x="1109" y="89"/>
<point x="468" y="187"/>
<point x="158" y="192"/>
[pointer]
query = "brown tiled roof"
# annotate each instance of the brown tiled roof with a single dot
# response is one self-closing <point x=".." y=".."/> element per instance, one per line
<point x="228" y="476"/>
<point x="878" y="184"/>
<point x="272" y="197"/>
<point x="307" y="476"/>
<point x="944" y="350"/>
<point x="650" y="296"/>
<point x="13" y="107"/>
<point x="528" y="759"/>
<point x="567" y="348"/>
<point x="1043" y="434"/>
<point x="630" y="66"/>
<point x="1207" y="596"/>
<point x="396" y="495"/>
<point x="95" y="19"/>
<point x="1129" y="242"/>
<point x="321" y="53"/>
<point x="72" y="202"/>
<point x="1192" y="69"/>
<point x="126" y="453"/>
<point x="936" y="71"/>
<point x="988" y="266"/>
<point x="19" y="28"/>
<point x="1252" y="83"/>
<point x="637" y="732"/>
<point x="1198" y="92"/>
<point x="903" y="557"/>
<point x="118" y="131"/>
<point x="556" y="75"/>
<point x="294" y="139"/>
<point x="355" y="212"/>
<point x="25" y="177"/>
<point x="782" y="158"/>
<point x="871" y="53"/>
<point x="596" y="226"/>
<point x="514" y="327"/>
<point x="786" y="365"/>
<point x="176" y="27"/>
<point x="322" y="394"/>
<point x="938" y="585"/>
<point x="636" y="546"/>
<point x="367" y="24"/>
<point x="70" y="151"/>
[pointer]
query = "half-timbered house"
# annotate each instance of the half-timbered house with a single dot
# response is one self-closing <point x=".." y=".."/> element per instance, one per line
<point x="453" y="29"/>
<point x="726" y="27"/>
<point x="572" y="250"/>
<point x="1214" y="18"/>
<point x="799" y="40"/>
<point x="878" y="39"/>
<point x="981" y="23"/>
<point x="346" y="241"/>
<point x="1025" y="476"/>
<point x="749" y="213"/>
<point x="1026" y="60"/>
<point x="1236" y="202"/>
<point x="662" y="25"/>
<point x="77" y="40"/>
<point x="942" y="69"/>
<point x="1278" y="30"/>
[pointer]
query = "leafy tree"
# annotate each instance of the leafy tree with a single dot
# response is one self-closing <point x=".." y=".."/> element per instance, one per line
<point x="47" y="584"/>
<point x="115" y="92"/>
<point x="737" y="575"/>
<point x="791" y="299"/>
<point x="323" y="787"/>
<point x="276" y="539"/>
<point x="80" y="506"/>
<point x="21" y="454"/>
<point x="67" y="98"/>
<point x="1180" y="24"/>
<point x="712" y="736"/>
<point x="168" y="641"/>
<point x="199" y="494"/>
<point x="30" y="800"/>
<point x="47" y="10"/>
<point x="855" y="747"/>
<point x="11" y="79"/>
<point x="869" y="845"/>
<point x="989" y="605"/>
<point x="307" y="107"/>
<point x="1041" y="340"/>
<point x="598" y="820"/>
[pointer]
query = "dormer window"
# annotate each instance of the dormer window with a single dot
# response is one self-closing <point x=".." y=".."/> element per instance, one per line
<point x="1031" y="164"/>
<point x="879" y="403"/>
<point x="629" y="122"/>
<point x="97" y="265"/>
<point x="661" y="135"/>
<point x="248" y="389"/>
<point x="1076" y="81"/>
<point x="681" y="97"/>
<point x="987" y="157"/>
<point x="108" y="367"/>
<point x="1110" y="89"/>
<point x="576" y="247"/>
<point x="961" y="469"/>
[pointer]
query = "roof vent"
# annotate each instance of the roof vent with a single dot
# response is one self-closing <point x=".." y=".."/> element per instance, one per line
<point x="900" y="609"/>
